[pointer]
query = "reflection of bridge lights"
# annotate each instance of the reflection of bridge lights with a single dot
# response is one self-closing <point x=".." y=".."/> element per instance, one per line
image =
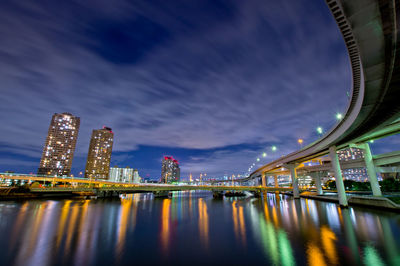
<point x="258" y="159"/>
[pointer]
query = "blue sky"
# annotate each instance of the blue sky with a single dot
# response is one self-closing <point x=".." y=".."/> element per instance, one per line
<point x="212" y="83"/>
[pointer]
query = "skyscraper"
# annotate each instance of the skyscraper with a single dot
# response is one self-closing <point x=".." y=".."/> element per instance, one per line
<point x="170" y="171"/>
<point x="59" y="147"/>
<point x="99" y="154"/>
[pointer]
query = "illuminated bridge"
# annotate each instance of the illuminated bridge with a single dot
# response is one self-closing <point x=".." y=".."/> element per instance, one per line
<point x="54" y="185"/>
<point x="370" y="29"/>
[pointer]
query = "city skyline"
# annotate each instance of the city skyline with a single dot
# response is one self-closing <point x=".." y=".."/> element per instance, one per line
<point x="215" y="88"/>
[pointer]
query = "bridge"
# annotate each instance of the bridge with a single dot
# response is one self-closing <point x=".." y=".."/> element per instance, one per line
<point x="370" y="29"/>
<point x="86" y="187"/>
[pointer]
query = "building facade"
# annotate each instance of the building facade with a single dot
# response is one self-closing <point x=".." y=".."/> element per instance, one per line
<point x="99" y="154"/>
<point x="355" y="174"/>
<point x="350" y="154"/>
<point x="170" y="171"/>
<point x="59" y="146"/>
<point x="126" y="175"/>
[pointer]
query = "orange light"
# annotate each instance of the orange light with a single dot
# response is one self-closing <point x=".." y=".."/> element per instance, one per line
<point x="300" y="141"/>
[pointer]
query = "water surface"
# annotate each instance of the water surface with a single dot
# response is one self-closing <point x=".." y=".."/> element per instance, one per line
<point x="192" y="228"/>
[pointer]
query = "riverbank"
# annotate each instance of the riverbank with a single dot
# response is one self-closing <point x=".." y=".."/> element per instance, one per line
<point x="358" y="200"/>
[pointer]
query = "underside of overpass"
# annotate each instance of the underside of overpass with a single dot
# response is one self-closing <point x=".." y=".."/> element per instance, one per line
<point x="370" y="29"/>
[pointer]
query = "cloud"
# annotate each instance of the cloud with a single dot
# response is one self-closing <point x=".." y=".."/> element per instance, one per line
<point x="198" y="75"/>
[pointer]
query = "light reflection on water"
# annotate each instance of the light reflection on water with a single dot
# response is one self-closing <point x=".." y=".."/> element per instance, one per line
<point x="194" y="228"/>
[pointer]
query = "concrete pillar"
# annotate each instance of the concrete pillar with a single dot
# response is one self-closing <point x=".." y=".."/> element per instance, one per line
<point x="318" y="184"/>
<point x="295" y="181"/>
<point x="276" y="183"/>
<point x="338" y="177"/>
<point x="369" y="163"/>
<point x="263" y="180"/>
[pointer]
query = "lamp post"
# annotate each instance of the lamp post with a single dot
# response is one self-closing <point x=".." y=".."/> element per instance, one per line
<point x="300" y="141"/>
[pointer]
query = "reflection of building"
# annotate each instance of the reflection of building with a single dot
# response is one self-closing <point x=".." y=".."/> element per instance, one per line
<point x="99" y="155"/>
<point x="170" y="171"/>
<point x="59" y="147"/>
<point x="127" y="175"/>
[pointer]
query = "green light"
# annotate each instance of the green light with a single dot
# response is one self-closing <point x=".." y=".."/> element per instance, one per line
<point x="339" y="116"/>
<point x="371" y="141"/>
<point x="264" y="154"/>
<point x="273" y="148"/>
<point x="258" y="159"/>
<point x="371" y="256"/>
<point x="320" y="130"/>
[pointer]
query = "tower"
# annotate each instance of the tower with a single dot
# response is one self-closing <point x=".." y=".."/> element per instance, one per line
<point x="170" y="171"/>
<point x="99" y="154"/>
<point x="59" y="147"/>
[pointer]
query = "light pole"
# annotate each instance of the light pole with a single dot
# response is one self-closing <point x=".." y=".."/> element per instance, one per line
<point x="300" y="141"/>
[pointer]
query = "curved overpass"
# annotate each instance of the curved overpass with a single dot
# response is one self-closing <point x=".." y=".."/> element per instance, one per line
<point x="370" y="31"/>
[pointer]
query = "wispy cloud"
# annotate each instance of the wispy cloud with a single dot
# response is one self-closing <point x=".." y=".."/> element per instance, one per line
<point x="197" y="75"/>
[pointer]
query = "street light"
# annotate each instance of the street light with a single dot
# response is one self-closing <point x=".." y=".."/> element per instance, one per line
<point x="258" y="159"/>
<point x="300" y="141"/>
<point x="264" y="154"/>
<point x="273" y="148"/>
<point x="339" y="116"/>
<point x="320" y="130"/>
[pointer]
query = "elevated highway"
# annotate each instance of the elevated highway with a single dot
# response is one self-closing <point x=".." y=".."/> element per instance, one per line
<point x="370" y="29"/>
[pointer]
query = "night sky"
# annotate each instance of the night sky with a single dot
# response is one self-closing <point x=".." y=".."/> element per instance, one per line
<point x="212" y="83"/>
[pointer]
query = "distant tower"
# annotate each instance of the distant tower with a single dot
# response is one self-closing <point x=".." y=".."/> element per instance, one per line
<point x="58" y="150"/>
<point x="99" y="154"/>
<point x="170" y="171"/>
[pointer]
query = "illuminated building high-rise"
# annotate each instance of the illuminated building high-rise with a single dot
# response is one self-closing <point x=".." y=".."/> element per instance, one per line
<point x="350" y="154"/>
<point x="170" y="171"/>
<point x="356" y="174"/>
<point x="59" y="146"/>
<point x="99" y="154"/>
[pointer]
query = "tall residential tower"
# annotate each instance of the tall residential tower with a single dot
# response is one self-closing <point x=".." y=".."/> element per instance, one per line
<point x="170" y="171"/>
<point x="99" y="155"/>
<point x="59" y="147"/>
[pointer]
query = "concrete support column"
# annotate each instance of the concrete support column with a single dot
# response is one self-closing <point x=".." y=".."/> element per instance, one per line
<point x="369" y="163"/>
<point x="263" y="180"/>
<point x="338" y="177"/>
<point x="276" y="183"/>
<point x="295" y="181"/>
<point x="318" y="184"/>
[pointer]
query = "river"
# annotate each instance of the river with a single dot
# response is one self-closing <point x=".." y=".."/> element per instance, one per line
<point x="192" y="228"/>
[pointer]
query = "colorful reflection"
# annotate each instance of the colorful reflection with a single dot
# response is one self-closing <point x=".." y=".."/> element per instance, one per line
<point x="203" y="222"/>
<point x="194" y="226"/>
<point x="238" y="222"/>
<point x="165" y="224"/>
